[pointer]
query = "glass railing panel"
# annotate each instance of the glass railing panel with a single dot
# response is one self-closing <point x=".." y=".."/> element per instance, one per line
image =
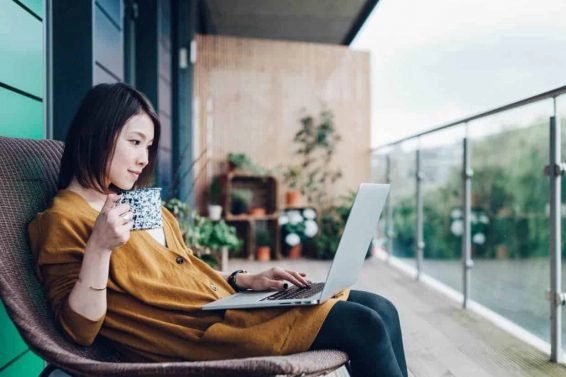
<point x="379" y="174"/>
<point x="510" y="215"/>
<point x="561" y="114"/>
<point x="402" y="200"/>
<point x="441" y="167"/>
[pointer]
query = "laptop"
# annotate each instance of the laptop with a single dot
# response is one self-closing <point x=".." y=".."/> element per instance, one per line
<point x="346" y="265"/>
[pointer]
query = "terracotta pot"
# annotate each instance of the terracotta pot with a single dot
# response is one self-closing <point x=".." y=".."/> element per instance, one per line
<point x="263" y="253"/>
<point x="294" y="199"/>
<point x="257" y="211"/>
<point x="295" y="252"/>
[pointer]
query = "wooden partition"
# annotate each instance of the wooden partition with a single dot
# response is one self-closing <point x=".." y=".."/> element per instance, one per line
<point x="250" y="95"/>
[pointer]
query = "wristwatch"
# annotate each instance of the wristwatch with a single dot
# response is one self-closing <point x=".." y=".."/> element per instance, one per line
<point x="232" y="280"/>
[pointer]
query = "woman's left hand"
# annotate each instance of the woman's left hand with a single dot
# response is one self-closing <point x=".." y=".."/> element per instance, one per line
<point x="274" y="278"/>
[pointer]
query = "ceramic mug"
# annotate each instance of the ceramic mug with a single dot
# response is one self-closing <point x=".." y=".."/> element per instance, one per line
<point x="145" y="204"/>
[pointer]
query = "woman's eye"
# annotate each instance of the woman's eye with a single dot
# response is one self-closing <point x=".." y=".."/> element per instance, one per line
<point x="135" y="142"/>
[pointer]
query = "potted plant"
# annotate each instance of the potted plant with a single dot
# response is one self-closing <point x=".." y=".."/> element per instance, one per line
<point x="298" y="226"/>
<point x="316" y="142"/>
<point x="240" y="200"/>
<point x="238" y="161"/>
<point x="263" y="243"/>
<point x="292" y="177"/>
<point x="215" y="199"/>
<point x="242" y="162"/>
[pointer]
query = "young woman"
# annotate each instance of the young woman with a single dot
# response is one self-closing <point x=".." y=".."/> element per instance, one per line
<point x="143" y="290"/>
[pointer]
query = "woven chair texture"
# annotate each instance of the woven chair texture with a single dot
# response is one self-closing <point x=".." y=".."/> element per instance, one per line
<point x="28" y="181"/>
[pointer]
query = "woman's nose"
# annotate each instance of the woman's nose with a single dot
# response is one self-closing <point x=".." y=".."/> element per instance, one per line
<point x="143" y="158"/>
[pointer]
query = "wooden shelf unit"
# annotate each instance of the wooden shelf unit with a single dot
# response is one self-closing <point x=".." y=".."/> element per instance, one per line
<point x="265" y="190"/>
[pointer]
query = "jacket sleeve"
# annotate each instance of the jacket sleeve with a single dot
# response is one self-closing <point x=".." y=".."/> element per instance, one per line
<point x="58" y="244"/>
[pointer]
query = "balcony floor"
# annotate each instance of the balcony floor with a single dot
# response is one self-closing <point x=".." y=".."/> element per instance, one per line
<point x="440" y="338"/>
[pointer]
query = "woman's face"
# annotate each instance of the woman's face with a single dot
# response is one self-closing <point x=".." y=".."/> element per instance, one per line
<point x="132" y="151"/>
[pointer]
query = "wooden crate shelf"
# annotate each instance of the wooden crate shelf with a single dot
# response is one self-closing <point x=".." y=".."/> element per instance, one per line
<point x="265" y="190"/>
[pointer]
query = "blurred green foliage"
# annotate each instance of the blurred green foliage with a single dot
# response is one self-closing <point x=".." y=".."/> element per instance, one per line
<point x="509" y="194"/>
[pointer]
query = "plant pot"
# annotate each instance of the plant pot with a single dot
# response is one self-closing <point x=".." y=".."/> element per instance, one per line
<point x="295" y="252"/>
<point x="257" y="211"/>
<point x="214" y="212"/>
<point x="294" y="199"/>
<point x="263" y="253"/>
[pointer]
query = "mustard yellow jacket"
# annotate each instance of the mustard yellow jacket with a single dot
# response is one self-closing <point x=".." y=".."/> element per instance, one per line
<point x="155" y="298"/>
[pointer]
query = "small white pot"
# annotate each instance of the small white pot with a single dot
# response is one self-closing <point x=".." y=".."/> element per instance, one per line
<point x="214" y="212"/>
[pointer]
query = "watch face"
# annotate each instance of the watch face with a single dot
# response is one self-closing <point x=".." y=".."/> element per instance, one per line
<point x="145" y="204"/>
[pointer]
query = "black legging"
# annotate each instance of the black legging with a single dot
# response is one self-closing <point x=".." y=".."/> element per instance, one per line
<point x="367" y="328"/>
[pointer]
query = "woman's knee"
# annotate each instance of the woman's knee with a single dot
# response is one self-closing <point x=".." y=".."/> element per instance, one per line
<point x="349" y="324"/>
<point x="380" y="304"/>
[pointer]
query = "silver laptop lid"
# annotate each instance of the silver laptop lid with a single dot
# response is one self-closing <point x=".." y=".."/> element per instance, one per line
<point x="360" y="228"/>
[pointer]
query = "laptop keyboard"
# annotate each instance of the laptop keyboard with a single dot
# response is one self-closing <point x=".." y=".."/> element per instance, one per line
<point x="296" y="292"/>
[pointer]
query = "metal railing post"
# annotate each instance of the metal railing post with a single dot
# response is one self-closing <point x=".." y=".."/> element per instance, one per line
<point x="389" y="213"/>
<point x="419" y="241"/>
<point x="554" y="170"/>
<point x="467" y="262"/>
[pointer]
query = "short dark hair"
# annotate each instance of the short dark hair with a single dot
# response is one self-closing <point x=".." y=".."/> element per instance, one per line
<point x="91" y="139"/>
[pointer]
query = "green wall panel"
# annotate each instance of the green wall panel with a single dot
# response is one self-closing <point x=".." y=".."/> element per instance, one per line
<point x="36" y="6"/>
<point x="21" y="49"/>
<point x="20" y="116"/>
<point x="11" y="345"/>
<point x="28" y="365"/>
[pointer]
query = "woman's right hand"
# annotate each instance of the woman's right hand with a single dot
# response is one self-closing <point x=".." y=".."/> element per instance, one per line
<point x="112" y="226"/>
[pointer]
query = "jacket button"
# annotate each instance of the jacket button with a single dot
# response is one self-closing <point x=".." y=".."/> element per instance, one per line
<point x="180" y="260"/>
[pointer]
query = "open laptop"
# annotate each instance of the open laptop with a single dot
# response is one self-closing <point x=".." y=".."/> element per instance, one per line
<point x="345" y="267"/>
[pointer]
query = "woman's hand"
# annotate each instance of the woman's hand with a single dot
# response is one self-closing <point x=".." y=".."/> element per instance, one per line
<point x="274" y="278"/>
<point x="112" y="226"/>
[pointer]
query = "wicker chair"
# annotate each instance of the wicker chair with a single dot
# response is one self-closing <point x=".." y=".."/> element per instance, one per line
<point x="28" y="176"/>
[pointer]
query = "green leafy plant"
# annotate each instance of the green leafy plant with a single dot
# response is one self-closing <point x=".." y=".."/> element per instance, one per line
<point x="242" y="162"/>
<point x="217" y="234"/>
<point x="215" y="191"/>
<point x="332" y="223"/>
<point x="240" y="200"/>
<point x="263" y="238"/>
<point x="202" y="234"/>
<point x="316" y="142"/>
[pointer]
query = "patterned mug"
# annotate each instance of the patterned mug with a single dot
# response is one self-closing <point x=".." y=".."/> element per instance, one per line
<point x="145" y="204"/>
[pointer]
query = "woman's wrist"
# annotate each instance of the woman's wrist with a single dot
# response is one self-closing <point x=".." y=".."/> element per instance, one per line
<point x="238" y="281"/>
<point x="243" y="280"/>
<point x="93" y="248"/>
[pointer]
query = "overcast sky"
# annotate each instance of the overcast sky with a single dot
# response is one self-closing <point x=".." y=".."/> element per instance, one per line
<point x="435" y="61"/>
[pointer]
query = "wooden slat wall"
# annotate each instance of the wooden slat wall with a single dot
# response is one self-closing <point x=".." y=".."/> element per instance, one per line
<point x="250" y="95"/>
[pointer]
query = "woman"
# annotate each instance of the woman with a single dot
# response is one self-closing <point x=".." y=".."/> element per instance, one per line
<point x="143" y="290"/>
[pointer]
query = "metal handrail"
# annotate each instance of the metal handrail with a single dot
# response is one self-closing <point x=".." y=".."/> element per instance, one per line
<point x="546" y="95"/>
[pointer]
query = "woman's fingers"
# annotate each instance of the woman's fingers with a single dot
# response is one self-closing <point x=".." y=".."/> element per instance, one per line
<point x="300" y="276"/>
<point x="109" y="203"/>
<point x="127" y="218"/>
<point x="122" y="209"/>
<point x="292" y="277"/>
<point x="278" y="285"/>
